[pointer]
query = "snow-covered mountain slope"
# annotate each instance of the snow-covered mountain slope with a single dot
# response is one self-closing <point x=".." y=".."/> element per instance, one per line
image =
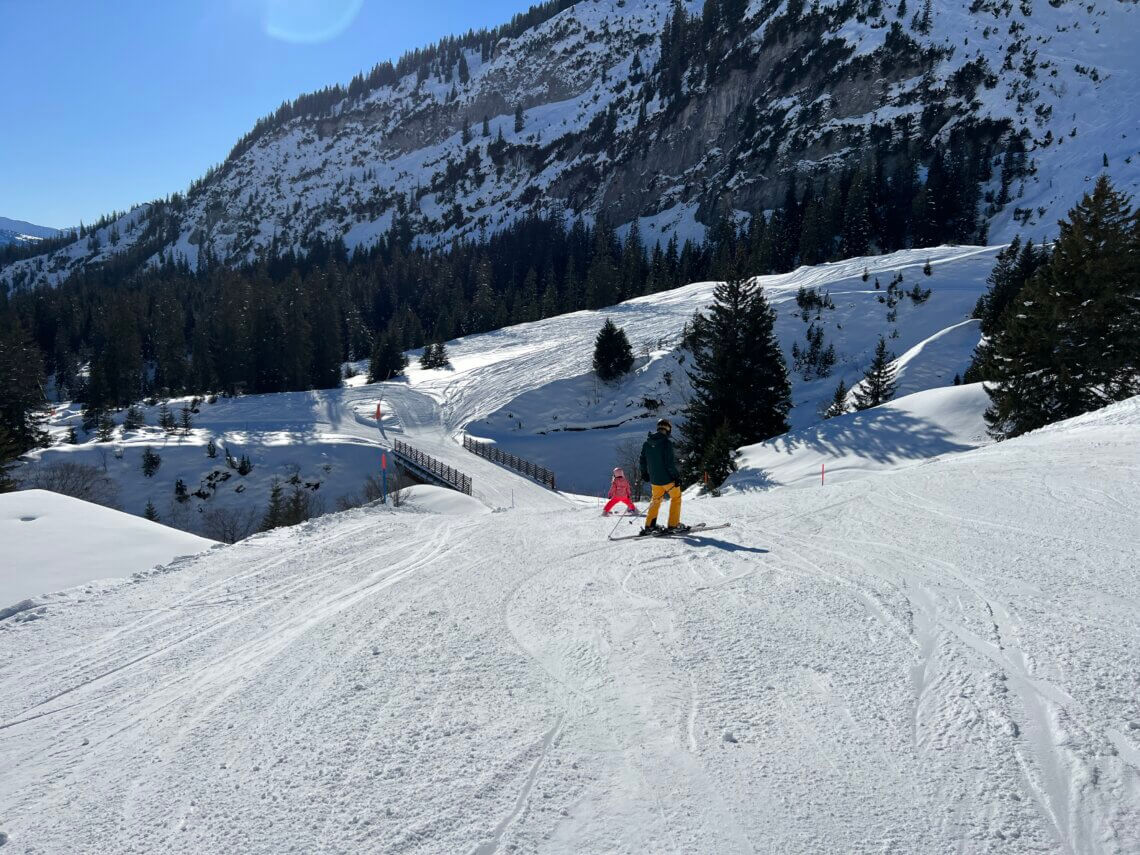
<point x="53" y="542"/>
<point x="19" y="231"/>
<point x="784" y="89"/>
<point x="530" y="389"/>
<point x="902" y="432"/>
<point x="832" y="673"/>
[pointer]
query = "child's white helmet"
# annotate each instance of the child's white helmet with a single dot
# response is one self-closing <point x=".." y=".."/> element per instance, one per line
<point x="618" y="472"/>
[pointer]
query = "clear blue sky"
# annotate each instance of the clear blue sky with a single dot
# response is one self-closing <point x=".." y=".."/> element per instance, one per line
<point x="106" y="103"/>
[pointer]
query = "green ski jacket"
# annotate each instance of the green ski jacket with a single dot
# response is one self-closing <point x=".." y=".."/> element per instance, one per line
<point x="658" y="465"/>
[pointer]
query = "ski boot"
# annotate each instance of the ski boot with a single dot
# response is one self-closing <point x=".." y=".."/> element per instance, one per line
<point x="680" y="528"/>
<point x="650" y="530"/>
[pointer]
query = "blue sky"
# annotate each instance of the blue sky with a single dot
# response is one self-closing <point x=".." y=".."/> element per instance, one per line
<point x="106" y="104"/>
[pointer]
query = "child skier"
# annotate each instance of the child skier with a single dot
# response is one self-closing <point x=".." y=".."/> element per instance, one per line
<point x="619" y="492"/>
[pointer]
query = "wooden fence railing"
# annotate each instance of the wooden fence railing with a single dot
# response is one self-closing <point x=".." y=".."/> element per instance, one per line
<point x="435" y="469"/>
<point x="512" y="461"/>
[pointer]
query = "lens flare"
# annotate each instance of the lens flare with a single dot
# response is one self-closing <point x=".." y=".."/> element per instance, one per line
<point x="308" y="21"/>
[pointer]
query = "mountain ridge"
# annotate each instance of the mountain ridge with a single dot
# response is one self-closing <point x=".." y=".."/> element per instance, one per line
<point x="673" y="115"/>
<point x="23" y="232"/>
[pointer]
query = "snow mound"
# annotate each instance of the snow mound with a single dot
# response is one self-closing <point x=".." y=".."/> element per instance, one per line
<point x="905" y="431"/>
<point x="934" y="361"/>
<point x="441" y="500"/>
<point x="53" y="542"/>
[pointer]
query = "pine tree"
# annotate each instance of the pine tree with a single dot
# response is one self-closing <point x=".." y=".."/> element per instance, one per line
<point x="879" y="383"/>
<point x="245" y="466"/>
<point x="441" y="358"/>
<point x="838" y="405"/>
<point x="151" y="513"/>
<point x="180" y="491"/>
<point x="1013" y="268"/>
<point x="151" y="460"/>
<point x="72" y="436"/>
<point x="718" y="459"/>
<point x="166" y="419"/>
<point x="486" y="127"/>
<point x="21" y="398"/>
<point x="857" y="217"/>
<point x="326" y="351"/>
<point x="519" y="119"/>
<point x="133" y="420"/>
<point x="186" y="420"/>
<point x="739" y="379"/>
<point x="275" y="511"/>
<point x="9" y="452"/>
<point x="613" y="355"/>
<point x="1073" y="343"/>
<point x="387" y="360"/>
<point x="106" y="428"/>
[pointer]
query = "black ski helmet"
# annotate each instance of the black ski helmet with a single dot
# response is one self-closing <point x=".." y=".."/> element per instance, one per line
<point x="665" y="425"/>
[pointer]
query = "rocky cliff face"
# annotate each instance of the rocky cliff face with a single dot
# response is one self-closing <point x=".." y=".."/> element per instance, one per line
<point x="674" y="115"/>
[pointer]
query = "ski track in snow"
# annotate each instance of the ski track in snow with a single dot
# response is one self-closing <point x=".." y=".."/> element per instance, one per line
<point x="941" y="658"/>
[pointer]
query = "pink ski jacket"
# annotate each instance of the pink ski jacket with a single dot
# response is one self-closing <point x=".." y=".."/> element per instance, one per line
<point x="619" y="488"/>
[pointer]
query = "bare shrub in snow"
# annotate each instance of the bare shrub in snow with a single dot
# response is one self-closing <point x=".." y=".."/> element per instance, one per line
<point x="398" y="487"/>
<point x="230" y="526"/>
<point x="77" y="480"/>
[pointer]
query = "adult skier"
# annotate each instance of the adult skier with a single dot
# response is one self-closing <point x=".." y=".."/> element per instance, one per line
<point x="659" y="468"/>
<point x="619" y="492"/>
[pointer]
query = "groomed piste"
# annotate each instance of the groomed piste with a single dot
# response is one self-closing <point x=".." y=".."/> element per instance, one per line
<point x="939" y="657"/>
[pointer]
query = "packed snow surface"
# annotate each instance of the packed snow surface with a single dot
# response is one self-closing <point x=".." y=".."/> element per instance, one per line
<point x="53" y="542"/>
<point x="944" y="658"/>
<point x="904" y="431"/>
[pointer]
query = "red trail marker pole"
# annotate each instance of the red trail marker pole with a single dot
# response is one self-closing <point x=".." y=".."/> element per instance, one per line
<point x="822" y="467"/>
<point x="384" y="477"/>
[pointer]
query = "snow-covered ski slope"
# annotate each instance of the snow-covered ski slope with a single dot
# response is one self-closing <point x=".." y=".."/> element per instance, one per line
<point x="941" y="659"/>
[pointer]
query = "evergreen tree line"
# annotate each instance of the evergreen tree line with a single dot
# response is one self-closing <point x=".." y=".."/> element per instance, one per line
<point x="288" y="322"/>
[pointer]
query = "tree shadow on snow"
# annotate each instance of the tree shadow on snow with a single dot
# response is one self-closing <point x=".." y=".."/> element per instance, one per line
<point x="882" y="435"/>
<point x="753" y="480"/>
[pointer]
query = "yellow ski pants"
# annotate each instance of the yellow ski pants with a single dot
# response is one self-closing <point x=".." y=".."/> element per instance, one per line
<point x="660" y="491"/>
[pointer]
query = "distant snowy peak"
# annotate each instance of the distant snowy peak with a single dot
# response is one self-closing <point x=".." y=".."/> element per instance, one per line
<point x="19" y="231"/>
<point x="613" y="109"/>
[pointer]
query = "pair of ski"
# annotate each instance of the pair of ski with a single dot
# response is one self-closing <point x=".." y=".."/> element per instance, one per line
<point x="699" y="528"/>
